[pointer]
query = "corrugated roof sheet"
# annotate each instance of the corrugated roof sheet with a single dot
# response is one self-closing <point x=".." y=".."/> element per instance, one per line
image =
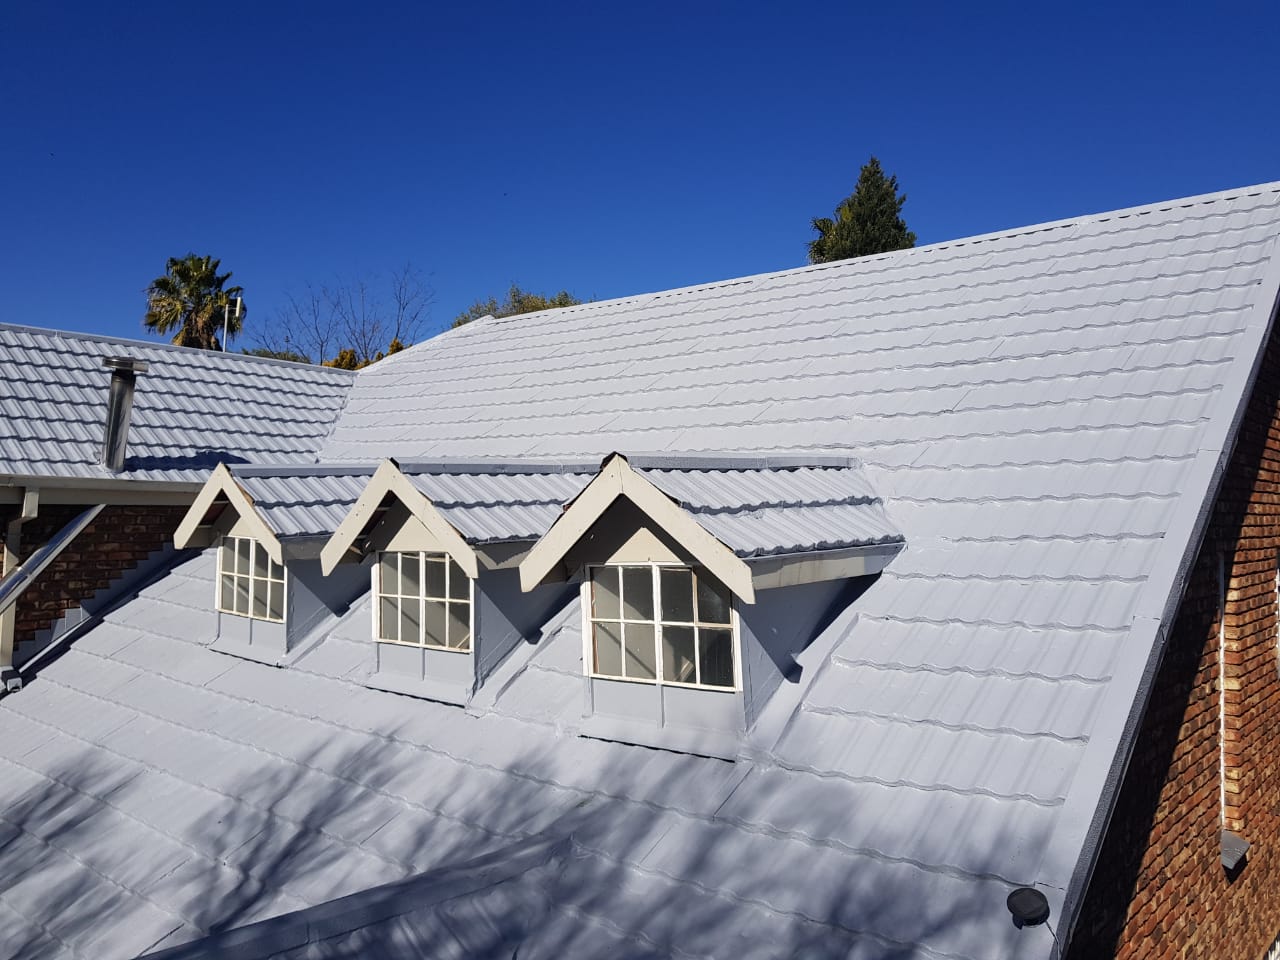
<point x="192" y="410"/>
<point x="499" y="506"/>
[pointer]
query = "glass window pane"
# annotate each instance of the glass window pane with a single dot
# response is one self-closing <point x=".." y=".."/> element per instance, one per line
<point x="410" y="574"/>
<point x="243" y="547"/>
<point x="460" y="626"/>
<point x="677" y="594"/>
<point x="260" y="561"/>
<point x="227" y="557"/>
<point x="641" y="660"/>
<point x="275" y="601"/>
<point x="716" y="657"/>
<point x="637" y="593"/>
<point x="227" y="598"/>
<point x="241" y="604"/>
<point x="604" y="593"/>
<point x="410" y="617"/>
<point x="433" y="574"/>
<point x="388" y="620"/>
<point x="677" y="653"/>
<point x="608" y="649"/>
<point x="388" y="579"/>
<point x="459" y="583"/>
<point x="276" y="571"/>
<point x="259" y="598"/>
<point x="433" y="622"/>
<point x="713" y="601"/>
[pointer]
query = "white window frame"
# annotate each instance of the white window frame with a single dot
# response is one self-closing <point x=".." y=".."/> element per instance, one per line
<point x="375" y="581"/>
<point x="253" y="578"/>
<point x="588" y="629"/>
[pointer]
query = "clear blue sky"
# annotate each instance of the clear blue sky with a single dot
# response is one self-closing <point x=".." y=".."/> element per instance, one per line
<point x="605" y="148"/>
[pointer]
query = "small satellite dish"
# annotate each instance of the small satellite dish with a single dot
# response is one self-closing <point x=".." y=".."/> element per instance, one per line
<point x="1028" y="906"/>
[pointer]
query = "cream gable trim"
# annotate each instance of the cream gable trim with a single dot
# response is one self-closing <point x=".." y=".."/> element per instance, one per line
<point x="617" y="479"/>
<point x="388" y="479"/>
<point x="248" y="523"/>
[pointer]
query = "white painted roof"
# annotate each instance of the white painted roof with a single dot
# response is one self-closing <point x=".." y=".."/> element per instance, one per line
<point x="1045" y="413"/>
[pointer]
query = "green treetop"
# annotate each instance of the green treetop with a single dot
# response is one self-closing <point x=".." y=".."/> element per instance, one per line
<point x="869" y="221"/>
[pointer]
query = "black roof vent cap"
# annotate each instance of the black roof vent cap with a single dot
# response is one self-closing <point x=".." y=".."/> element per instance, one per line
<point x="1029" y="907"/>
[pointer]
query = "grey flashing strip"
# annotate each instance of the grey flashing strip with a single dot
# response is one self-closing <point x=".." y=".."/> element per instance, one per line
<point x="1234" y="849"/>
<point x="881" y="548"/>
<point x="16" y="583"/>
<point x="685" y="461"/>
<point x="250" y="471"/>
<point x="368" y="908"/>
<point x="740" y="462"/>
<point x="495" y="466"/>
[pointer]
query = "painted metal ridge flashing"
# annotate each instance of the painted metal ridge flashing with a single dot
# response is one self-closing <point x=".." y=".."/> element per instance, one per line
<point x="252" y="471"/>
<point x="1074" y="846"/>
<point x="909" y="254"/>
<point x="24" y="575"/>
<point x="314" y="925"/>
<point x="490" y="467"/>
<point x="640" y="461"/>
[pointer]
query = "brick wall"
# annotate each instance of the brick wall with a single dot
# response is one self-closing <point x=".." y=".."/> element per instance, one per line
<point x="1159" y="890"/>
<point x="116" y="541"/>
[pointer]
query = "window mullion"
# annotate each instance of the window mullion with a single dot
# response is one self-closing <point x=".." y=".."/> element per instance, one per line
<point x="657" y="623"/>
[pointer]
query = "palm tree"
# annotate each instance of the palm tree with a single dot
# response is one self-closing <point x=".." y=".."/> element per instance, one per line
<point x="189" y="300"/>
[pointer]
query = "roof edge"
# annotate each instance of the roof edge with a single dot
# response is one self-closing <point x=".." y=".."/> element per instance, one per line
<point x="936" y="246"/>
<point x="1129" y="692"/>
<point x="153" y="344"/>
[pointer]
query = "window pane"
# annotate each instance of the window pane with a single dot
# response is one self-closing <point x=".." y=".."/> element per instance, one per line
<point x="260" y="561"/>
<point x="276" y="571"/>
<point x="460" y="626"/>
<point x="604" y="593"/>
<point x="717" y="657"/>
<point x="459" y="584"/>
<point x="434" y="575"/>
<point x="677" y="594"/>
<point x="243" y="548"/>
<point x="608" y="650"/>
<point x="677" y="653"/>
<point x="388" y="579"/>
<point x="641" y="651"/>
<point x="637" y="593"/>
<point x="275" y="601"/>
<point x="713" y="601"/>
<point x="410" y="574"/>
<point x="227" y="598"/>
<point x="259" y="598"/>
<point x="410" y="617"/>
<point x="433" y="622"/>
<point x="227" y="557"/>
<point x="388" y="620"/>
<point x="241" y="604"/>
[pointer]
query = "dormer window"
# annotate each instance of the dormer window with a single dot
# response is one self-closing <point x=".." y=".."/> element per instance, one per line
<point x="423" y="599"/>
<point x="651" y="621"/>
<point x="250" y="583"/>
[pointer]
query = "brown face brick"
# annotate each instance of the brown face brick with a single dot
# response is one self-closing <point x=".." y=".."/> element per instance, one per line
<point x="1159" y="891"/>
<point x="118" y="540"/>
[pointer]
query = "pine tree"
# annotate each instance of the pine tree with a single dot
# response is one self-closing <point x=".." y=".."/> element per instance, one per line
<point x="870" y="221"/>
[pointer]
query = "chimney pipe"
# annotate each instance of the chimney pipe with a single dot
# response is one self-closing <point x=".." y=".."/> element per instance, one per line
<point x="124" y="376"/>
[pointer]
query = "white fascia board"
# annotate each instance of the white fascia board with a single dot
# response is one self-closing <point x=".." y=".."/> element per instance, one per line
<point x="388" y="479"/>
<point x="222" y="483"/>
<point x="617" y="479"/>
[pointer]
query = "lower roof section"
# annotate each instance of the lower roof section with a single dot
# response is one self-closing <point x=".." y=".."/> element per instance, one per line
<point x="155" y="793"/>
